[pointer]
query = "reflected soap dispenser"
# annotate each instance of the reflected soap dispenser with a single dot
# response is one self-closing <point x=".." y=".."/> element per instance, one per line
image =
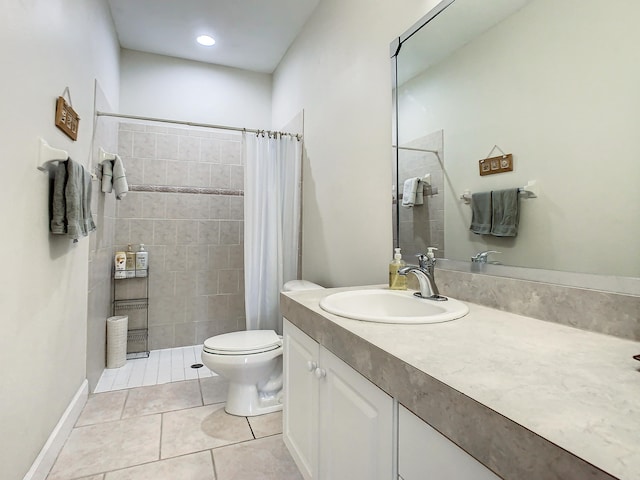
<point x="397" y="281"/>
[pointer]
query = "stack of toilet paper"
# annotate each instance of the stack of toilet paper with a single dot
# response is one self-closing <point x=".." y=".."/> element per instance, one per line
<point x="117" y="341"/>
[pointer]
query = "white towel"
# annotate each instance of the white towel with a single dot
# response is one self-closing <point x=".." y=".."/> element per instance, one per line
<point x="107" y="175"/>
<point x="120" y="184"/>
<point x="113" y="177"/>
<point x="412" y="192"/>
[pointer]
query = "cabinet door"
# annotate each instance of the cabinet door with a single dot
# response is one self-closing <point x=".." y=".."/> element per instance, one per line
<point x="300" y="409"/>
<point x="356" y="424"/>
<point x="426" y="454"/>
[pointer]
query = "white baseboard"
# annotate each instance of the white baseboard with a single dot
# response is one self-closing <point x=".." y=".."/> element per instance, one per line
<point x="47" y="456"/>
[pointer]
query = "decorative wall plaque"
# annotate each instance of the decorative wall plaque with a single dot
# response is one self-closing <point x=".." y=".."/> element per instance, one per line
<point x="67" y="119"/>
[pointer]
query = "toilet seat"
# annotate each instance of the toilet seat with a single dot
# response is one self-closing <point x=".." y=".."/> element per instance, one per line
<point x="243" y="343"/>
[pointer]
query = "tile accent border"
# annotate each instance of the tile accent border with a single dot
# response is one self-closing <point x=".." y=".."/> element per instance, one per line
<point x="47" y="456"/>
<point x="196" y="190"/>
<point x="593" y="310"/>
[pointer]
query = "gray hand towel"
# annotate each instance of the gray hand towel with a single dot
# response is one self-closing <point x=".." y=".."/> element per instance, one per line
<point x="58" y="224"/>
<point x="506" y="212"/>
<point x="74" y="195"/>
<point x="481" y="213"/>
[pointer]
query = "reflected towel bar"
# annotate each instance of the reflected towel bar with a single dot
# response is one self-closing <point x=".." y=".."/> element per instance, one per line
<point x="530" y="190"/>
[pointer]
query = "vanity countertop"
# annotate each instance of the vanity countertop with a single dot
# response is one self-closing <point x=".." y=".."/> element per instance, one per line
<point x="528" y="398"/>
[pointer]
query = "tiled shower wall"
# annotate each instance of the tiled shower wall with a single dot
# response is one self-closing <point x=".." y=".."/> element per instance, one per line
<point x="195" y="240"/>
<point x="422" y="226"/>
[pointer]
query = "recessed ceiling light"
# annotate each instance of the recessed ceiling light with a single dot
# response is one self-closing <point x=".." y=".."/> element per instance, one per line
<point x="205" y="40"/>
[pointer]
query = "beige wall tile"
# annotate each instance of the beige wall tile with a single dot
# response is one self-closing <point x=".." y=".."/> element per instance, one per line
<point x="189" y="149"/>
<point x="154" y="172"/>
<point x="144" y="145"/>
<point x="167" y="146"/>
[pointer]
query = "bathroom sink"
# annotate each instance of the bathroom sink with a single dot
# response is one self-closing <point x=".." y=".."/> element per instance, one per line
<point x="392" y="306"/>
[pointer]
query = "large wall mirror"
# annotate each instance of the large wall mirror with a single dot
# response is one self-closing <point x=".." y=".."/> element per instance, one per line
<point x="555" y="83"/>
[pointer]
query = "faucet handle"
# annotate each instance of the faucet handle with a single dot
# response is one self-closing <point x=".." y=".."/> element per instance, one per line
<point x="481" y="257"/>
<point x="422" y="260"/>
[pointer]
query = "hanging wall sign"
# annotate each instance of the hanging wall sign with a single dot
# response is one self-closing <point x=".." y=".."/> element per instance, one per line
<point x="67" y="119"/>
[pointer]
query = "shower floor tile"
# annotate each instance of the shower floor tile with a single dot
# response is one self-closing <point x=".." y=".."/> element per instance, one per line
<point x="162" y="366"/>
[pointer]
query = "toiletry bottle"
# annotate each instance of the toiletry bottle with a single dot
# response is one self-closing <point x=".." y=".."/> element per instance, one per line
<point x="142" y="262"/>
<point x="397" y="281"/>
<point x="120" y="262"/>
<point x="130" y="265"/>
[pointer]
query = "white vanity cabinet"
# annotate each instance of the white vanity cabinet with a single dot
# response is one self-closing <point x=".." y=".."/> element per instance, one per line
<point x="337" y="424"/>
<point x="425" y="454"/>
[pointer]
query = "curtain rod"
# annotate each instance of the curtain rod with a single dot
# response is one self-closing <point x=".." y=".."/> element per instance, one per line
<point x="196" y="124"/>
<point x="416" y="149"/>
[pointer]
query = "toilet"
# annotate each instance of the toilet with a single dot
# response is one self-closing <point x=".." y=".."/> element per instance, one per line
<point x="251" y="361"/>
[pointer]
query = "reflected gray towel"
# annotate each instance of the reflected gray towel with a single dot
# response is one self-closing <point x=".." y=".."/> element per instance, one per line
<point x="506" y="212"/>
<point x="481" y="213"/>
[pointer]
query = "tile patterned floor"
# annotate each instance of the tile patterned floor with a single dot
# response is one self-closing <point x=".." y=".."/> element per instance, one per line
<point x="162" y="366"/>
<point x="172" y="431"/>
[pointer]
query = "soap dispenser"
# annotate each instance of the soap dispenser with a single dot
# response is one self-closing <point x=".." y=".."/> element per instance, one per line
<point x="397" y="281"/>
<point x="142" y="262"/>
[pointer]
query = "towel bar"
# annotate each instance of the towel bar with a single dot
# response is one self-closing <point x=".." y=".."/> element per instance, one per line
<point x="49" y="154"/>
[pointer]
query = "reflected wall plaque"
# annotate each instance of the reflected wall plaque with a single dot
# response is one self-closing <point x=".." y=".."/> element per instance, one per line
<point x="500" y="164"/>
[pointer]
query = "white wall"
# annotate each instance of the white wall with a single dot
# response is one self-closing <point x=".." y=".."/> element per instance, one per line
<point x="564" y="102"/>
<point x="167" y="87"/>
<point x="45" y="45"/>
<point x="338" y="71"/>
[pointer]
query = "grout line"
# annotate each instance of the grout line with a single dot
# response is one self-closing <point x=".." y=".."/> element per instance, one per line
<point x="250" y="428"/>
<point x="213" y="464"/>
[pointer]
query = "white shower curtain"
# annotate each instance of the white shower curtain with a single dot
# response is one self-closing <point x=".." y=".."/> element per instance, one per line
<point x="272" y="224"/>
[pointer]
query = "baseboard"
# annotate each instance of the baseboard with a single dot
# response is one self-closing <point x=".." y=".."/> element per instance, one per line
<point x="47" y="456"/>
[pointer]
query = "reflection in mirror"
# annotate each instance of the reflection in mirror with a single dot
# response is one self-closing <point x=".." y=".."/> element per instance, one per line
<point x="557" y="84"/>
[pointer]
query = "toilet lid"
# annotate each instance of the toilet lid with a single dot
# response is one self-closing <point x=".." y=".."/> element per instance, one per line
<point x="242" y="343"/>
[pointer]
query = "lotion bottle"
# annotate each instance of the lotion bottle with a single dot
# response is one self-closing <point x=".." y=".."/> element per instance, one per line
<point x="142" y="262"/>
<point x="130" y="265"/>
<point x="120" y="261"/>
<point x="397" y="281"/>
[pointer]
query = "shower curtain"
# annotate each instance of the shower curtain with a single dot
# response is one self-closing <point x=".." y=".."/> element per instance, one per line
<point x="272" y="205"/>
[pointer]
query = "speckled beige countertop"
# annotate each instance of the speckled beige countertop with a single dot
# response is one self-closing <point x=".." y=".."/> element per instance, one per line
<point x="532" y="400"/>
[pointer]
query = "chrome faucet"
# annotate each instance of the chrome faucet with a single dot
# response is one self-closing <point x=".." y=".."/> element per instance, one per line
<point x="425" y="273"/>
<point x="482" y="257"/>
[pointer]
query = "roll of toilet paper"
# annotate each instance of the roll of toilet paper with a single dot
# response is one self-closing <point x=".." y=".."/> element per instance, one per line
<point x="117" y="341"/>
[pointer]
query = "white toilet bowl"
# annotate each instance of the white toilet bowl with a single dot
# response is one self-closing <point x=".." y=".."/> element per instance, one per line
<point x="252" y="363"/>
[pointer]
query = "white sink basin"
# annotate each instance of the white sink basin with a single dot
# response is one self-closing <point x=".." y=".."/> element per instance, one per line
<point x="392" y="306"/>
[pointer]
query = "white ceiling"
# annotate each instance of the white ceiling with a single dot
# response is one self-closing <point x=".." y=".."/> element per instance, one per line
<point x="250" y="34"/>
